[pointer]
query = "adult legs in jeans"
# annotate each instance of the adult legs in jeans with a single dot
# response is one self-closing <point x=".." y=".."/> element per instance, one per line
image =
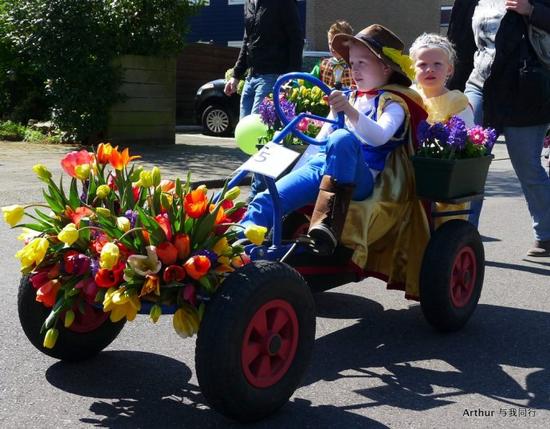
<point x="475" y="97"/>
<point x="256" y="88"/>
<point x="343" y="161"/>
<point x="524" y="146"/>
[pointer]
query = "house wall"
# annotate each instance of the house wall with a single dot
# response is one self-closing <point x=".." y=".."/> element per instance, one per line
<point x="407" y="18"/>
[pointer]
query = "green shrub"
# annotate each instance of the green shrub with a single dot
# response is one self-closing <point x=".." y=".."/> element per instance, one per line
<point x="11" y="131"/>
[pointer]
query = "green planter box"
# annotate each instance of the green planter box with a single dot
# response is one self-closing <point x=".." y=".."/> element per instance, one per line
<point x="443" y="179"/>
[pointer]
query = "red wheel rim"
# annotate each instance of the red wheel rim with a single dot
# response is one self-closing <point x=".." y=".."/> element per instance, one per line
<point x="463" y="277"/>
<point x="92" y="319"/>
<point x="269" y="344"/>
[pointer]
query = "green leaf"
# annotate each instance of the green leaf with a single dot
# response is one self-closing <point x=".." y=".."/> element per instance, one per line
<point x="53" y="203"/>
<point x="74" y="199"/>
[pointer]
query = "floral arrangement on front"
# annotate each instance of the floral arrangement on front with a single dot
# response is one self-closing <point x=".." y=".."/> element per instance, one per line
<point x="120" y="236"/>
<point x="453" y="140"/>
<point x="294" y="101"/>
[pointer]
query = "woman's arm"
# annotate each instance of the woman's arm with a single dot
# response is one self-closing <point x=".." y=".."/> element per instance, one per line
<point x="536" y="11"/>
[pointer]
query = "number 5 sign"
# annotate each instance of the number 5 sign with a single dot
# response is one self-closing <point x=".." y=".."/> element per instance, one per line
<point x="271" y="160"/>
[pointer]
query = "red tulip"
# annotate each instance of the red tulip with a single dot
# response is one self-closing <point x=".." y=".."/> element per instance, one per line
<point x="183" y="244"/>
<point x="109" y="278"/>
<point x="47" y="293"/>
<point x="173" y="273"/>
<point x="164" y="222"/>
<point x="167" y="253"/>
<point x="197" y="266"/>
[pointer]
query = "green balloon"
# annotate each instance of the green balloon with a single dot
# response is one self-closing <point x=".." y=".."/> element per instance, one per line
<point x="248" y="131"/>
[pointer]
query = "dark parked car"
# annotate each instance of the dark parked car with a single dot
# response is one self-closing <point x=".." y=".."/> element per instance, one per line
<point x="218" y="114"/>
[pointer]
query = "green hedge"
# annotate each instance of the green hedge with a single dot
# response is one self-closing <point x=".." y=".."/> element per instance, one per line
<point x="56" y="55"/>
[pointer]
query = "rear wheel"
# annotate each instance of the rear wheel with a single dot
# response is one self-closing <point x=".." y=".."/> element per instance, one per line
<point x="255" y="340"/>
<point x="216" y="120"/>
<point x="89" y="333"/>
<point x="452" y="274"/>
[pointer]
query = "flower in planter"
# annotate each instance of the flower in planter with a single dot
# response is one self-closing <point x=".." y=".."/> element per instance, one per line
<point x="120" y="235"/>
<point x="452" y="140"/>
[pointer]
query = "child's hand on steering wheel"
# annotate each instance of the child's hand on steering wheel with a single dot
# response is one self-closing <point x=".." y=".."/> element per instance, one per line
<point x="338" y="101"/>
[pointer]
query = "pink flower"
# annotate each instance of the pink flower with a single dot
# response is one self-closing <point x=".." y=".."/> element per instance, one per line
<point x="303" y="125"/>
<point x="477" y="135"/>
<point x="75" y="159"/>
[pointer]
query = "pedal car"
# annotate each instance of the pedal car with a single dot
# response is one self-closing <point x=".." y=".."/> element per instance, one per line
<point x="258" y="329"/>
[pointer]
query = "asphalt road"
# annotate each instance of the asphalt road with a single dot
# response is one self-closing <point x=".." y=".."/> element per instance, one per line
<point x="376" y="362"/>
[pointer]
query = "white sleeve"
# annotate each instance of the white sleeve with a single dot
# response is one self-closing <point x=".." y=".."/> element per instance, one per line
<point x="467" y="115"/>
<point x="378" y="132"/>
<point x="326" y="129"/>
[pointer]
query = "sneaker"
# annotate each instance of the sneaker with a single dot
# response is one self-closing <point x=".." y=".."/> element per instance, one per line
<point x="540" y="249"/>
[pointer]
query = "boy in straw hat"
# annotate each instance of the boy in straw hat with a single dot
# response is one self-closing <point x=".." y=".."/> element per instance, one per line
<point x="379" y="117"/>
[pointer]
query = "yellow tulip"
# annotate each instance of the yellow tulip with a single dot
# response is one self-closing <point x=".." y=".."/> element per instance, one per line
<point x="145" y="179"/>
<point x="69" y="318"/>
<point x="186" y="321"/>
<point x="27" y="234"/>
<point x="255" y="233"/>
<point x="121" y="303"/>
<point x="233" y="193"/>
<point x="82" y="171"/>
<point x="69" y="234"/>
<point x="33" y="253"/>
<point x="222" y="247"/>
<point x="103" y="191"/>
<point x="51" y="338"/>
<point x="42" y="172"/>
<point x="105" y="212"/>
<point x="203" y="189"/>
<point x="109" y="256"/>
<point x="155" y="313"/>
<point x="13" y="214"/>
<point x="155" y="176"/>
<point x="123" y="223"/>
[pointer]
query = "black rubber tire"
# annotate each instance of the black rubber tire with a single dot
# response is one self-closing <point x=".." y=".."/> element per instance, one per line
<point x="436" y="274"/>
<point x="219" y="343"/>
<point x="217" y="120"/>
<point x="70" y="346"/>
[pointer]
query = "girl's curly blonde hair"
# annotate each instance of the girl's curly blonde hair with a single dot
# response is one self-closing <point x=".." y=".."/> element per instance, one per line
<point x="432" y="40"/>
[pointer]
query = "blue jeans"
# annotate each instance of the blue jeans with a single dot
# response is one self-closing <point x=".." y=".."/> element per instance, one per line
<point x="255" y="89"/>
<point x="343" y="161"/>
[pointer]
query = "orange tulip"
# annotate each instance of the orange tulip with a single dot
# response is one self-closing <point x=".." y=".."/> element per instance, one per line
<point x="47" y="293"/>
<point x="220" y="216"/>
<point x="196" y="203"/>
<point x="197" y="266"/>
<point x="76" y="215"/>
<point x="183" y="244"/>
<point x="119" y="160"/>
<point x="104" y="151"/>
<point x="167" y="253"/>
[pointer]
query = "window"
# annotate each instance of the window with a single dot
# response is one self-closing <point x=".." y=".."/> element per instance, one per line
<point x="445" y="15"/>
<point x="230" y="2"/>
<point x="235" y="43"/>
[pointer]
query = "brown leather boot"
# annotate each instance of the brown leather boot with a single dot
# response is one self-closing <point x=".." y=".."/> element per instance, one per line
<point x="329" y="214"/>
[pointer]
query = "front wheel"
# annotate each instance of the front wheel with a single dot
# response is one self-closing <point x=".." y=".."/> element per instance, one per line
<point x="255" y="340"/>
<point x="452" y="274"/>
<point x="91" y="331"/>
<point x="216" y="120"/>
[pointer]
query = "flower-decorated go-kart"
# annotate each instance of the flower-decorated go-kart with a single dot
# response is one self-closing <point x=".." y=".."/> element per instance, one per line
<point x="121" y="242"/>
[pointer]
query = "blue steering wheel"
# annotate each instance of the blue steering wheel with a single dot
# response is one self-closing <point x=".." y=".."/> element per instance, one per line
<point x="290" y="125"/>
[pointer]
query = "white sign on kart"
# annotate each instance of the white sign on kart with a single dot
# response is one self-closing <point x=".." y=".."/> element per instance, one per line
<point x="271" y="160"/>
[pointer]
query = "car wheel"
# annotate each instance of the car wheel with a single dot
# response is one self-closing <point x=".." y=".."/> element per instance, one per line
<point x="216" y="120"/>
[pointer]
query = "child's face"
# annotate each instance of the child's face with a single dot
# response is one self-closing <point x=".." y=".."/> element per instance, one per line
<point x="432" y="68"/>
<point x="368" y="71"/>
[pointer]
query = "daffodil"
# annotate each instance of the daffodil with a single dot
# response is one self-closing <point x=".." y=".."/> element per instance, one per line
<point x="255" y="233"/>
<point x="144" y="265"/>
<point x="186" y="321"/>
<point x="69" y="234"/>
<point x="33" y="253"/>
<point x="13" y="214"/>
<point x="121" y="303"/>
<point x="110" y="253"/>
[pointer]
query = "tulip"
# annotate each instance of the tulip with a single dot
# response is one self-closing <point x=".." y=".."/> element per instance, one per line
<point x="186" y="321"/>
<point x="167" y="185"/>
<point x="173" y="273"/>
<point x="119" y="160"/>
<point x="255" y="233"/>
<point x="33" y="253"/>
<point x="75" y="159"/>
<point x="102" y="211"/>
<point x="104" y="151"/>
<point x="167" y="253"/>
<point x="155" y="313"/>
<point x="202" y="188"/>
<point x="69" y="318"/>
<point x="166" y="200"/>
<point x="76" y="263"/>
<point x="164" y="222"/>
<point x="82" y="172"/>
<point x="105" y="278"/>
<point x="155" y="176"/>
<point x="121" y="303"/>
<point x="76" y="215"/>
<point x="13" y="214"/>
<point x="103" y="191"/>
<point x="233" y="193"/>
<point x="40" y="278"/>
<point x="144" y="265"/>
<point x="27" y="235"/>
<point x="195" y="203"/>
<point x="152" y="284"/>
<point x="190" y="294"/>
<point x="220" y="215"/>
<point x="183" y="244"/>
<point x="47" y="293"/>
<point x="50" y="338"/>
<point x="109" y="256"/>
<point x="42" y="172"/>
<point x="123" y="223"/>
<point x="222" y="247"/>
<point x="145" y="179"/>
<point x="69" y="234"/>
<point x="89" y="287"/>
<point x="197" y="266"/>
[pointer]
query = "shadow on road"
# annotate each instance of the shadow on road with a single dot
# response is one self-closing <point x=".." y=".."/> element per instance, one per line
<point x="502" y="183"/>
<point x="389" y="349"/>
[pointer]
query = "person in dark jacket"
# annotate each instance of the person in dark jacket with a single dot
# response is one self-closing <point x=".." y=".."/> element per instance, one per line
<point x="493" y="49"/>
<point x="272" y="45"/>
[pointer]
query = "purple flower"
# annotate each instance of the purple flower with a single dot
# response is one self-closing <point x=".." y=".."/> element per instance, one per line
<point x="288" y="108"/>
<point x="457" y="133"/>
<point x="208" y="253"/>
<point x="423" y="131"/>
<point x="439" y="132"/>
<point x="95" y="266"/>
<point x="490" y="139"/>
<point x="132" y="217"/>
<point x="267" y="112"/>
